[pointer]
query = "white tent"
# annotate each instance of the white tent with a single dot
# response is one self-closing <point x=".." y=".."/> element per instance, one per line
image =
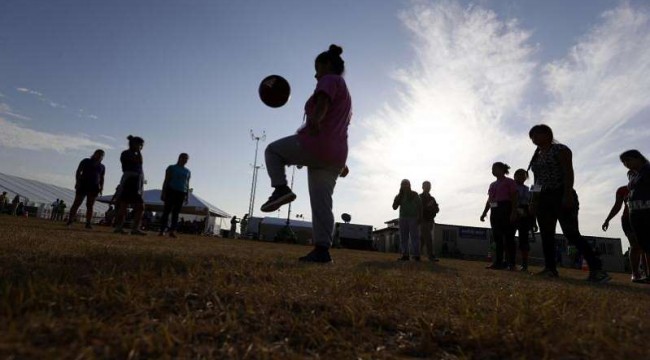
<point x="35" y="193"/>
<point x="194" y="206"/>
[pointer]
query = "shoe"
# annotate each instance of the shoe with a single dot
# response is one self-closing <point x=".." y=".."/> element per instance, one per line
<point x="495" y="267"/>
<point x="138" y="232"/>
<point x="404" y="258"/>
<point x="416" y="258"/>
<point x="318" y="255"/>
<point x="88" y="226"/>
<point x="433" y="258"/>
<point x="281" y="195"/>
<point x="119" y="231"/>
<point x="548" y="273"/>
<point x="639" y="280"/>
<point x="599" y="276"/>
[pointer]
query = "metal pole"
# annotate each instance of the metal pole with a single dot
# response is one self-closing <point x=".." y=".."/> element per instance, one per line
<point x="251" y="201"/>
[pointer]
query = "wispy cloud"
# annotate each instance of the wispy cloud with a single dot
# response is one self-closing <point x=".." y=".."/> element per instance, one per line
<point x="41" y="97"/>
<point x="470" y="73"/>
<point x="6" y="110"/>
<point x="16" y="136"/>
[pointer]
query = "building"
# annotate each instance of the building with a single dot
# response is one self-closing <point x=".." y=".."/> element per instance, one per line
<point x="474" y="243"/>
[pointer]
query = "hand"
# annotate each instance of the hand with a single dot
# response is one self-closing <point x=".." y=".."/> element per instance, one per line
<point x="605" y="225"/>
<point x="483" y="218"/>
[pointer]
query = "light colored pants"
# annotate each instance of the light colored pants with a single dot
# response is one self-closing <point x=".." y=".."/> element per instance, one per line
<point x="321" y="180"/>
<point x="426" y="236"/>
<point x="409" y="230"/>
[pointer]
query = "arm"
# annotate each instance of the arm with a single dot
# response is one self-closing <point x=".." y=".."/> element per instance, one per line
<point x="101" y="182"/>
<point x="397" y="200"/>
<point x="485" y="210"/>
<point x="78" y="173"/>
<point x="514" y="198"/>
<point x="168" y="175"/>
<point x="615" y="209"/>
<point x="187" y="194"/>
<point x="321" y="108"/>
<point x="418" y="202"/>
<point x="566" y="163"/>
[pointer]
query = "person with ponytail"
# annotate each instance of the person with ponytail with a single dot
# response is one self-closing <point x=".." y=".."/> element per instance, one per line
<point x="554" y="200"/>
<point x="502" y="204"/>
<point x="130" y="189"/>
<point x="320" y="144"/>
<point x="638" y="199"/>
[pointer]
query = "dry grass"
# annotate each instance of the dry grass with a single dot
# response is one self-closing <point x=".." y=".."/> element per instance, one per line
<point x="70" y="293"/>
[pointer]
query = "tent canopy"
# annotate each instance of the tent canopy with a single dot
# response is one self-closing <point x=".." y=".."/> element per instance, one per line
<point x="194" y="206"/>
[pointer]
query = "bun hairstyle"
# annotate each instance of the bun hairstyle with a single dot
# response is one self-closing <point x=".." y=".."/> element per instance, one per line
<point x="333" y="57"/>
<point x="135" y="140"/>
<point x="505" y="167"/>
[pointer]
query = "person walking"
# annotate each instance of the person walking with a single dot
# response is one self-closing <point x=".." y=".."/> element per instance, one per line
<point x="525" y="223"/>
<point x="555" y="200"/>
<point x="410" y="216"/>
<point x="637" y="256"/>
<point x="502" y="204"/>
<point x="89" y="184"/>
<point x="429" y="210"/>
<point x="175" y="192"/>
<point x="321" y="145"/>
<point x="130" y="189"/>
<point x="638" y="199"/>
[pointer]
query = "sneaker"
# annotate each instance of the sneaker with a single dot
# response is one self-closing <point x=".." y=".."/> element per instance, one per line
<point x="548" y="273"/>
<point x="639" y="280"/>
<point x="281" y="195"/>
<point x="416" y="258"/>
<point x="119" y="231"/>
<point x="404" y="258"/>
<point x="318" y="255"/>
<point x="599" y="276"/>
<point x="138" y="232"/>
<point x="88" y="226"/>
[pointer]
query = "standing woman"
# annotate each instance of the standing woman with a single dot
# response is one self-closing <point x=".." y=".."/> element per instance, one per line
<point x="525" y="222"/>
<point x="321" y="145"/>
<point x="637" y="255"/>
<point x="131" y="186"/>
<point x="639" y="197"/>
<point x="89" y="183"/>
<point x="554" y="200"/>
<point x="175" y="192"/>
<point x="502" y="204"/>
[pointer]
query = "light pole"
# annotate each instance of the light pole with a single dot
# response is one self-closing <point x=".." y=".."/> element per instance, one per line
<point x="251" y="201"/>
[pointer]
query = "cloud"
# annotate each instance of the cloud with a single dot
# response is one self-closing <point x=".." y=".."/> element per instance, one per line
<point x="469" y="76"/>
<point x="16" y="136"/>
<point x="41" y="97"/>
<point x="6" y="110"/>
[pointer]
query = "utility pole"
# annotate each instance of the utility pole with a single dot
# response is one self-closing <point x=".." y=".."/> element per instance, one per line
<point x="251" y="201"/>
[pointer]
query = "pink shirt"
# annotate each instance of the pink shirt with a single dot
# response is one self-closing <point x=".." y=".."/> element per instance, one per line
<point x="502" y="189"/>
<point x="331" y="143"/>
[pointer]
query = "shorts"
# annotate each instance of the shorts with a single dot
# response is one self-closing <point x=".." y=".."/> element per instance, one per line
<point x="87" y="190"/>
<point x="130" y="191"/>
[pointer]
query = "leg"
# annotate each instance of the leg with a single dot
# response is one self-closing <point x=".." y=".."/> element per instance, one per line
<point x="547" y="220"/>
<point x="176" y="209"/>
<point x="78" y="199"/>
<point x="321" y="188"/>
<point x="285" y="152"/>
<point x="120" y="215"/>
<point x="90" y="203"/>
<point x="138" y="209"/>
<point x="167" y="208"/>
<point x="498" y="235"/>
<point x="414" y="230"/>
<point x="404" y="236"/>
<point x="425" y="236"/>
<point x="524" y="245"/>
<point x="569" y="222"/>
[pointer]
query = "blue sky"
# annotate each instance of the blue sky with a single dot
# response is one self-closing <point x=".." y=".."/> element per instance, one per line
<point x="441" y="89"/>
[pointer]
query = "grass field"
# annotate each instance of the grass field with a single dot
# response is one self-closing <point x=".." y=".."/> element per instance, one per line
<point x="77" y="294"/>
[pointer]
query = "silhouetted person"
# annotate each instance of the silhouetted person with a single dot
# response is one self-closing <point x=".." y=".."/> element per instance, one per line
<point x="554" y="200"/>
<point x="131" y="186"/>
<point x="320" y="145"/>
<point x="639" y="196"/>
<point x="502" y="204"/>
<point x="525" y="223"/>
<point x="3" y="201"/>
<point x="410" y="216"/>
<point x="175" y="193"/>
<point x="89" y="183"/>
<point x="55" y="209"/>
<point x="233" y="227"/>
<point x="429" y="210"/>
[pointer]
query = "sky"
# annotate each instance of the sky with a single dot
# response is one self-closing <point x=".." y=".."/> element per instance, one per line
<point x="440" y="89"/>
